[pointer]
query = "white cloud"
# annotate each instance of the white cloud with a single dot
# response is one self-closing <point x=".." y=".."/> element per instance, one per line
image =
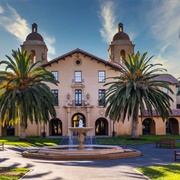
<point x="168" y="64"/>
<point x="164" y="21"/>
<point x="108" y="18"/>
<point x="19" y="27"/>
<point x="1" y="10"/>
<point x="49" y="42"/>
<point x="14" y="24"/>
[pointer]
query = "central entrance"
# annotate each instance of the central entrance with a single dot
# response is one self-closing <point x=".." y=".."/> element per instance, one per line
<point x="75" y="120"/>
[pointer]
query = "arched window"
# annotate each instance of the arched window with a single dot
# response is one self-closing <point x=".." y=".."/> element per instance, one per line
<point x="55" y="127"/>
<point x="148" y="126"/>
<point x="33" y="56"/>
<point x="172" y="126"/>
<point x="101" y="126"/>
<point x="122" y="56"/>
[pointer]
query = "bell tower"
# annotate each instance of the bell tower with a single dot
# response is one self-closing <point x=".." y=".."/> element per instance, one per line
<point x="120" y="46"/>
<point x="35" y="45"/>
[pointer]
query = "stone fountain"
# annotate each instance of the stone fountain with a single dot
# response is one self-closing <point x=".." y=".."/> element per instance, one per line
<point x="81" y="131"/>
<point x="98" y="152"/>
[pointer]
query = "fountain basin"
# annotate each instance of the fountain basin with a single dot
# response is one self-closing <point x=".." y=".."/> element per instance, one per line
<point x="59" y="153"/>
<point x="81" y="131"/>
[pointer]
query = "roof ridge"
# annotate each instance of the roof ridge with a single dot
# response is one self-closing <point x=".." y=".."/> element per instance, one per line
<point x="78" y="50"/>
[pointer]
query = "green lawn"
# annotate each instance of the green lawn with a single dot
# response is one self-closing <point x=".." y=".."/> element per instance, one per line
<point x="143" y="139"/>
<point x="16" y="173"/>
<point x="120" y="140"/>
<point x="164" y="172"/>
<point x="31" y="141"/>
<point x="167" y="172"/>
<point x="7" y="173"/>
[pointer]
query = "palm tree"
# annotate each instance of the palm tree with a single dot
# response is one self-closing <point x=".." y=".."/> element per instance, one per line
<point x="137" y="89"/>
<point x="24" y="95"/>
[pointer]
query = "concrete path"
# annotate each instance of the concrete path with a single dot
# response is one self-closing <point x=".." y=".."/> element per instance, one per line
<point x="121" y="169"/>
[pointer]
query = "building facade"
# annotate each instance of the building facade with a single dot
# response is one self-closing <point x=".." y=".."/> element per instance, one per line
<point x="79" y="94"/>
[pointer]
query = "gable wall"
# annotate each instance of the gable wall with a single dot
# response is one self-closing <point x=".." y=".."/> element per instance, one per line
<point x="89" y="68"/>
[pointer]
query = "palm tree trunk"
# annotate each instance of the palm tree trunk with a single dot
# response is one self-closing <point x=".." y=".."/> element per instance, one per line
<point x="22" y="132"/>
<point x="135" y="134"/>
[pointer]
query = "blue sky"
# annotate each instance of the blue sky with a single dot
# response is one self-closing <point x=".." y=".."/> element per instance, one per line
<point x="153" y="26"/>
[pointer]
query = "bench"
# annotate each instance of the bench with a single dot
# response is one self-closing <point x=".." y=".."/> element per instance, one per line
<point x="166" y="142"/>
<point x="176" y="153"/>
<point x="2" y="145"/>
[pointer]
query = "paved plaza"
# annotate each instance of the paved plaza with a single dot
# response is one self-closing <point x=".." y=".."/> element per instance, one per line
<point x="120" y="169"/>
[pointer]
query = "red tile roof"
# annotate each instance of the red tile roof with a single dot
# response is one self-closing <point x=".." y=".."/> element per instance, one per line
<point x="175" y="113"/>
<point x="167" y="77"/>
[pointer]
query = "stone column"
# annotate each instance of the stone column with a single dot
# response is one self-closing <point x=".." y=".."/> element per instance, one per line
<point x="113" y="128"/>
<point x="47" y="128"/>
<point x="88" y="118"/>
<point x="38" y="129"/>
<point x="68" y="119"/>
<point x="110" y="127"/>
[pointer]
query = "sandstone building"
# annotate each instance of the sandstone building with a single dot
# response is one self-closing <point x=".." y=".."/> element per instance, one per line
<point x="81" y="76"/>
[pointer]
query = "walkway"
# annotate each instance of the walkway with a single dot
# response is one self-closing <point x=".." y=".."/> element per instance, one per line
<point x="120" y="169"/>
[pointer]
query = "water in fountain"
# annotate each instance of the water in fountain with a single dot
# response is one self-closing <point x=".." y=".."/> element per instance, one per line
<point x="94" y="153"/>
<point x="73" y="137"/>
<point x="73" y="140"/>
<point x="89" y="138"/>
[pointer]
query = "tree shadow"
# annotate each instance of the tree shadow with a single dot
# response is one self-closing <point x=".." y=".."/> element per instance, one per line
<point x="136" y="175"/>
<point x="4" y="159"/>
<point x="36" y="175"/>
<point x="28" y="175"/>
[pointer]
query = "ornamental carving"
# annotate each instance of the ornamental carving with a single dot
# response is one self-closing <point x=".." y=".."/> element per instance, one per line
<point x="101" y="112"/>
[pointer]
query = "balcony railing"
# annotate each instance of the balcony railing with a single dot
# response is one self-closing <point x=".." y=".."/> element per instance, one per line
<point x="78" y="103"/>
<point x="78" y="84"/>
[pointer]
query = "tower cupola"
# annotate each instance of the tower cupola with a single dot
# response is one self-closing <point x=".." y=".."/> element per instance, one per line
<point x="120" y="46"/>
<point x="120" y="35"/>
<point x="35" y="45"/>
<point x="34" y="35"/>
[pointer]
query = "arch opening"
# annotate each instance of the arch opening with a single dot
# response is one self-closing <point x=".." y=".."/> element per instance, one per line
<point x="172" y="126"/>
<point x="75" y="120"/>
<point x="148" y="126"/>
<point x="55" y="127"/>
<point x="8" y="130"/>
<point x="33" y="56"/>
<point x="122" y="56"/>
<point x="101" y="127"/>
